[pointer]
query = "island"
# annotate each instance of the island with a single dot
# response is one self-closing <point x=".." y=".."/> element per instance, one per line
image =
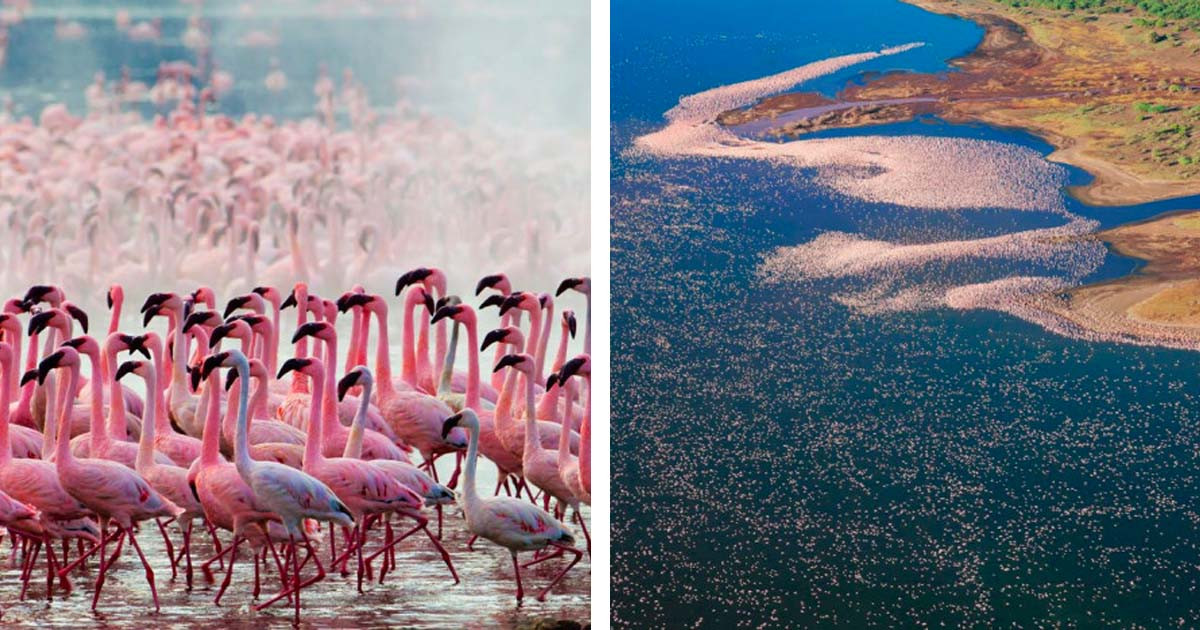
<point x="1113" y="85"/>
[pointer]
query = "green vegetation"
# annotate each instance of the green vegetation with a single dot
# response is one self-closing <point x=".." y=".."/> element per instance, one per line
<point x="1152" y="108"/>
<point x="1164" y="9"/>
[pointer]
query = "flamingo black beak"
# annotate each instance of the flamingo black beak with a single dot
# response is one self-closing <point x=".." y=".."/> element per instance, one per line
<point x="38" y="322"/>
<point x="495" y="336"/>
<point x="36" y="293"/>
<point x="569" y="369"/>
<point x="569" y="283"/>
<point x="428" y="302"/>
<point x="350" y="300"/>
<point x="293" y="364"/>
<point x="153" y="301"/>
<point x="449" y="424"/>
<point x="213" y="362"/>
<point x="290" y="301"/>
<point x="47" y="364"/>
<point x="261" y="290"/>
<point x="235" y="303"/>
<point x="348" y="381"/>
<point x="108" y="298"/>
<point x="136" y="344"/>
<point x="75" y="342"/>
<point x="492" y="300"/>
<point x="509" y="303"/>
<point x="127" y="367"/>
<point x="412" y="277"/>
<point x="445" y="312"/>
<point x="218" y="334"/>
<point x="230" y="378"/>
<point x="487" y="282"/>
<point x="308" y="329"/>
<point x="78" y="314"/>
<point x="508" y="360"/>
<point x="570" y="317"/>
<point x="194" y="375"/>
<point x="551" y="380"/>
<point x="30" y="375"/>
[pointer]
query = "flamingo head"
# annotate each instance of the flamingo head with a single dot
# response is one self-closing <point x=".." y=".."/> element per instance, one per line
<point x="77" y="314"/>
<point x="321" y="330"/>
<point x="465" y="419"/>
<point x="206" y="319"/>
<point x="234" y="329"/>
<point x="520" y="362"/>
<point x="115" y="295"/>
<point x="308" y="366"/>
<point x="64" y="357"/>
<point x="206" y="296"/>
<point x="55" y="317"/>
<point x="431" y="278"/>
<point x="582" y="284"/>
<point x="352" y="299"/>
<point x="227" y="358"/>
<point x="461" y="313"/>
<point x="524" y="300"/>
<point x="492" y="300"/>
<point x="84" y="344"/>
<point x="257" y="370"/>
<point x="510" y="335"/>
<point x="16" y="305"/>
<point x="497" y="281"/>
<point x="253" y="301"/>
<point x="10" y="325"/>
<point x="581" y="365"/>
<point x="47" y="293"/>
<point x="270" y="294"/>
<point x="569" y="323"/>
<point x="143" y="369"/>
<point x="358" y="376"/>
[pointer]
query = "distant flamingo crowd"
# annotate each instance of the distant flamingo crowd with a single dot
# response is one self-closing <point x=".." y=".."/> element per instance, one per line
<point x="269" y="455"/>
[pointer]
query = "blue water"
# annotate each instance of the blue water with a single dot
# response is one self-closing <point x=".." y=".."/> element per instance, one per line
<point x="781" y="460"/>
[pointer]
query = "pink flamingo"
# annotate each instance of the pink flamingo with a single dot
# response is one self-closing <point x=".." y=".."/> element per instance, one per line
<point x="367" y="490"/>
<point x="581" y="285"/>
<point x="98" y="442"/>
<point x="539" y="464"/>
<point x="114" y="492"/>
<point x="511" y="523"/>
<point x="26" y="441"/>
<point x="582" y="365"/>
<point x="405" y="473"/>
<point x="168" y="479"/>
<point x="182" y="449"/>
<point x="375" y="445"/>
<point x="292" y="494"/>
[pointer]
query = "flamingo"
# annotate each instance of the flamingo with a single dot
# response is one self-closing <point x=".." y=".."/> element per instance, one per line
<point x="511" y="523"/>
<point x="169" y="480"/>
<point x="115" y="493"/>
<point x="582" y="285"/>
<point x="292" y="494"/>
<point x="582" y="365"/>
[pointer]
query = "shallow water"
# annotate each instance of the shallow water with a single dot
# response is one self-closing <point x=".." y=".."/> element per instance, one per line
<point x="819" y="465"/>
<point x="419" y="593"/>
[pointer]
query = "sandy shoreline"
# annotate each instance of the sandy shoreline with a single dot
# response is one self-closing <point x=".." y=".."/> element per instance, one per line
<point x="1083" y="85"/>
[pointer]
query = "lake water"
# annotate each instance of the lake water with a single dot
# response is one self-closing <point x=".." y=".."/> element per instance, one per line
<point x="781" y="457"/>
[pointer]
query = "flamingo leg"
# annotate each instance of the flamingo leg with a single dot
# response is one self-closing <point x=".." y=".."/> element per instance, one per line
<point x="170" y="548"/>
<point x="237" y="540"/>
<point x="149" y="572"/>
<point x="517" y="570"/>
<point x="578" y="555"/>
<point x="583" y="526"/>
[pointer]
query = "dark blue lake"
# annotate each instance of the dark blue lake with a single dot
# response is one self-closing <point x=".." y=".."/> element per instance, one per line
<point x="781" y="459"/>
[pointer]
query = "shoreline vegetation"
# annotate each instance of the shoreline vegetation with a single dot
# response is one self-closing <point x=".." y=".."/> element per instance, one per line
<point x="1113" y="87"/>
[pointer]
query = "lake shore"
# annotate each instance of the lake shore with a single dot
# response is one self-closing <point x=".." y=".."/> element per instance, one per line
<point x="1093" y="86"/>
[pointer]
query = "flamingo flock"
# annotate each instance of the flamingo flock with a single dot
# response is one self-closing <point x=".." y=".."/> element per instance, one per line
<point x="307" y="465"/>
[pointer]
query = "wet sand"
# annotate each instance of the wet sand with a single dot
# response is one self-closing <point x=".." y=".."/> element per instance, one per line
<point x="1159" y="304"/>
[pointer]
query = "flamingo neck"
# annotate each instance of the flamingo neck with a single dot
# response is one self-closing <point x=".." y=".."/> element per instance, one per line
<point x="116" y="407"/>
<point x="497" y="377"/>
<point x="312" y="447"/>
<point x="355" y="339"/>
<point x="504" y="401"/>
<point x="241" y="445"/>
<point x="210" y="439"/>
<point x="145" y="454"/>
<point x="162" y="423"/>
<point x="470" y="494"/>
<point x="258" y="404"/>
<point x="354" y="441"/>
<point x="539" y="360"/>
<point x="587" y="335"/>
<point x="96" y="413"/>
<point x="178" y="352"/>
<point x="62" y="453"/>
<point x="273" y="354"/>
<point x="564" y="434"/>
<point x="5" y="395"/>
<point x="408" y="366"/>
<point x="329" y="413"/>
<point x="473" y="367"/>
<point x="446" y="380"/>
<point x="383" y="361"/>
<point x="14" y="383"/>
<point x="585" y="431"/>
<point x="533" y="442"/>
